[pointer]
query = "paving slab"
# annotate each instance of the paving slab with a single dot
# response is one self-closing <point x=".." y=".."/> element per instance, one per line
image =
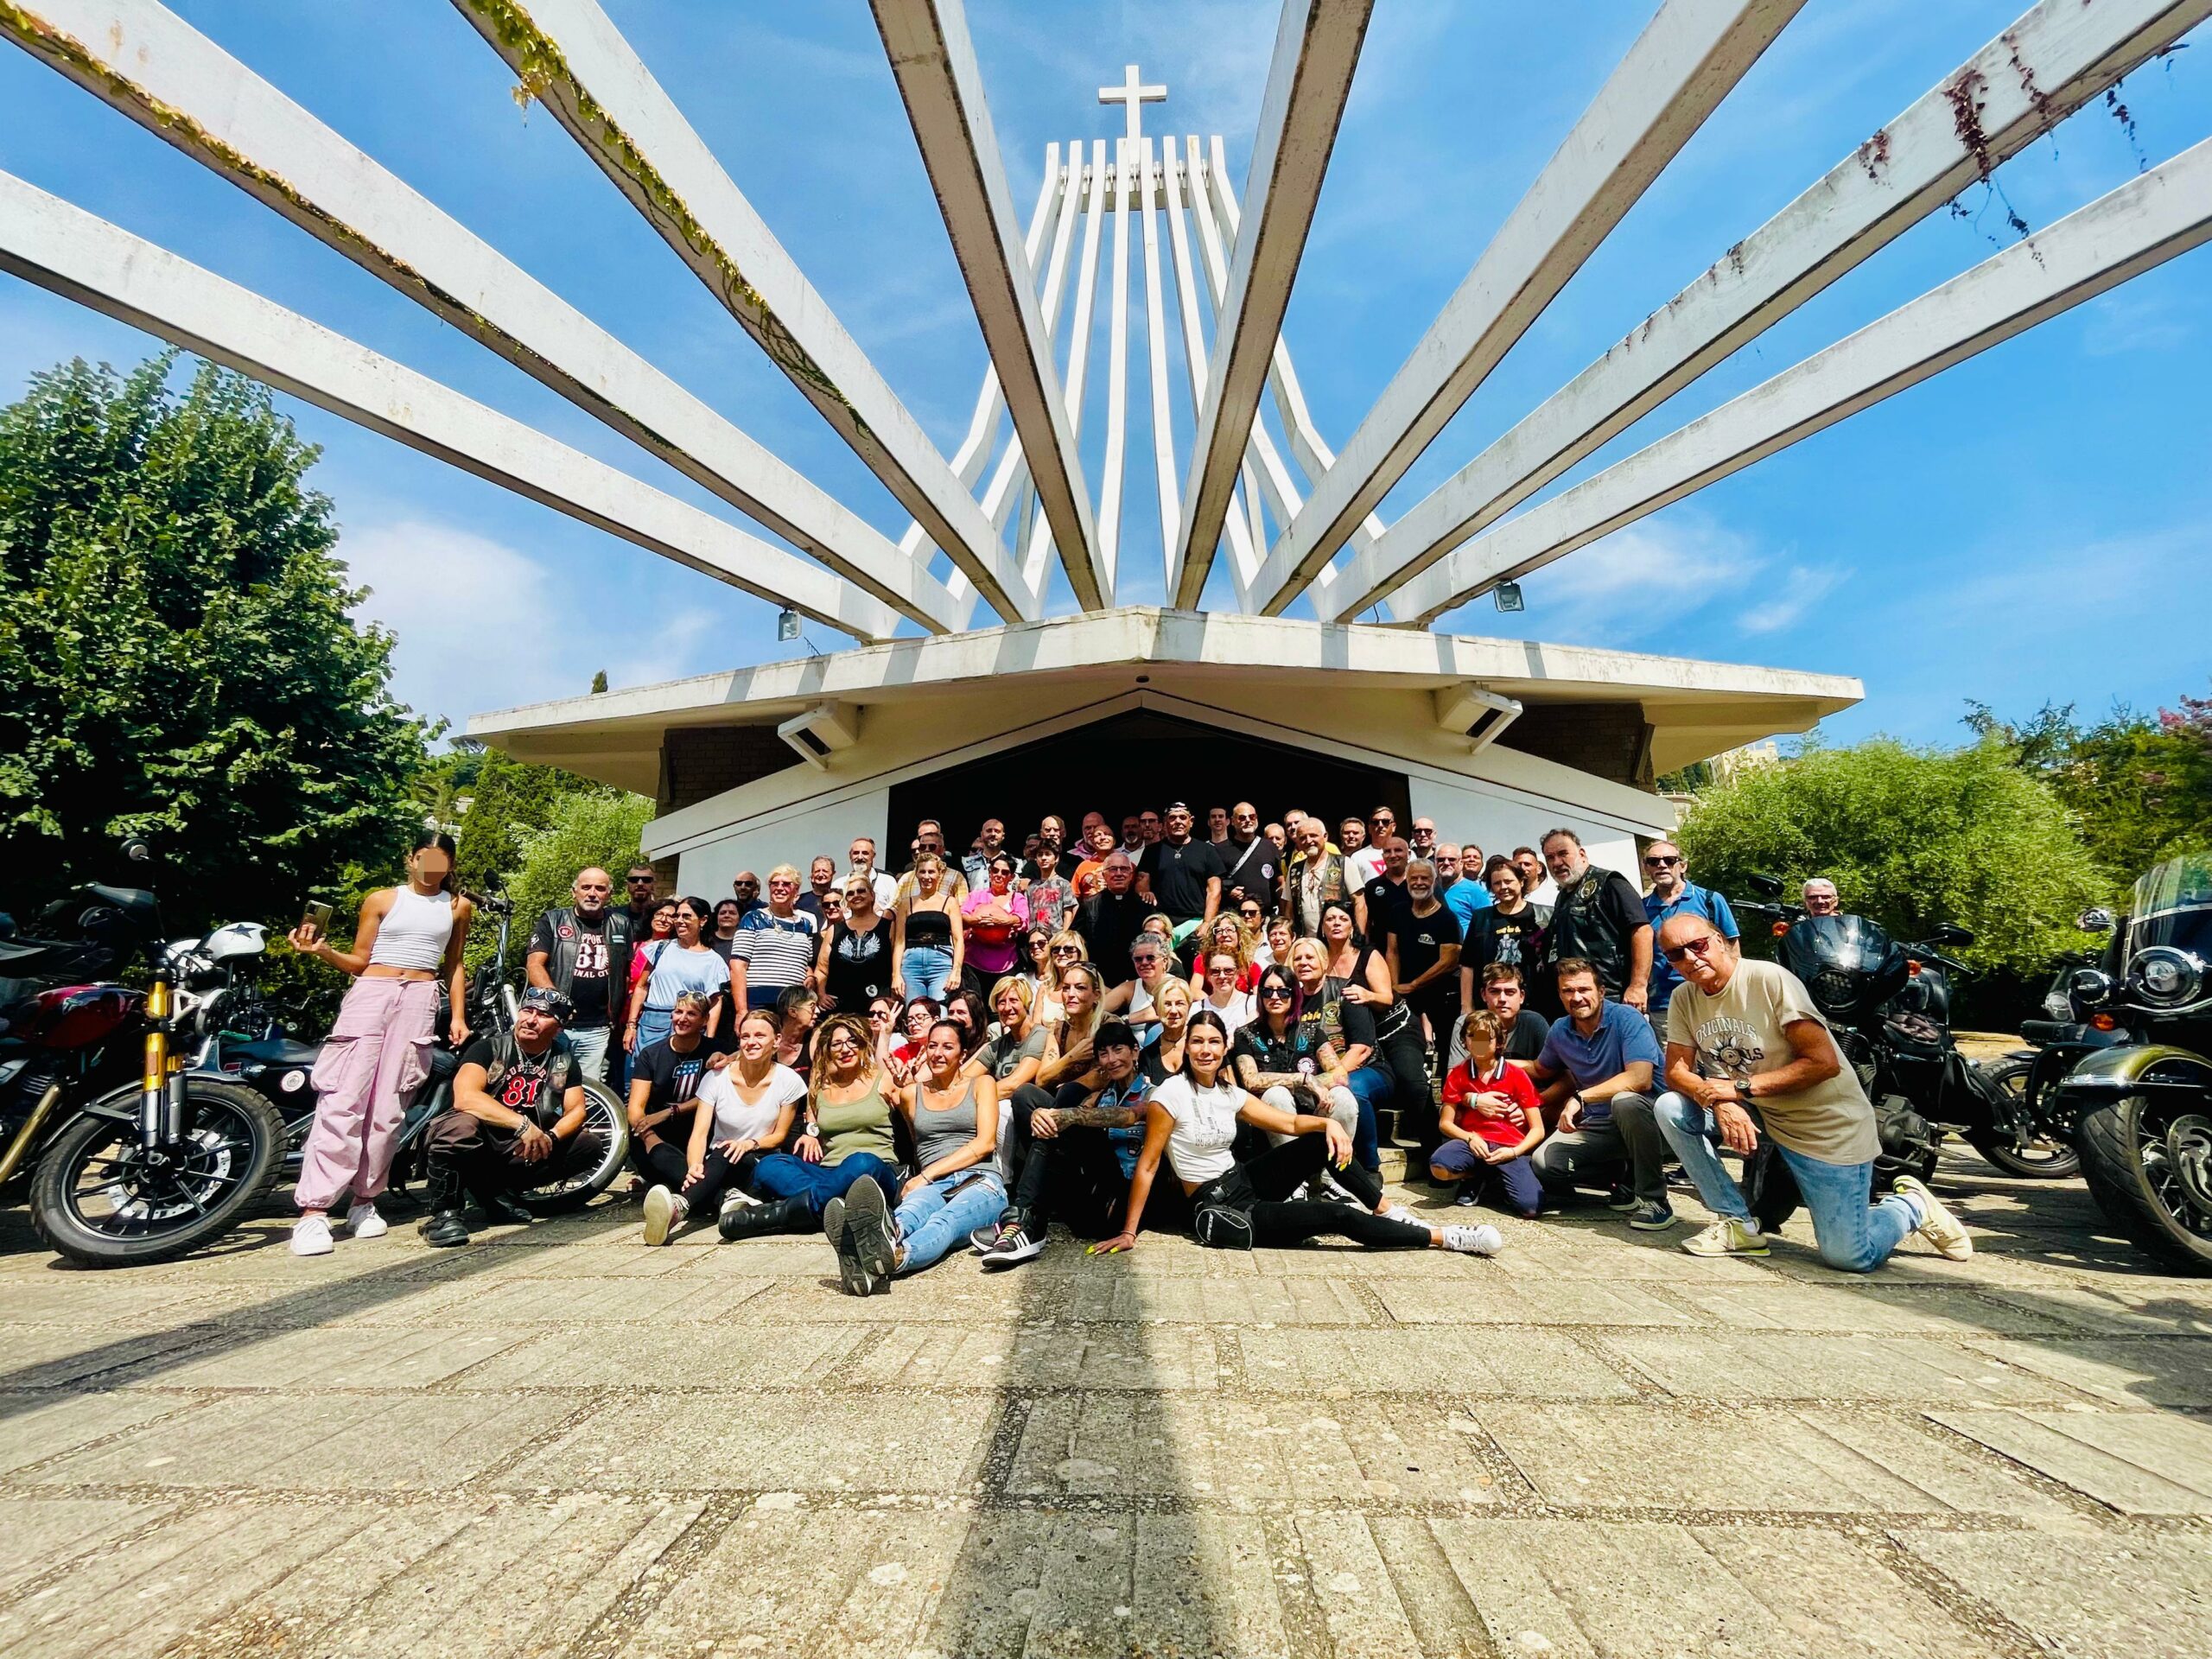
<point x="1432" y="1361"/>
<point x="1706" y="1365"/>
<point x="38" y="1535"/>
<point x="347" y="1357"/>
<point x="1856" y="1306"/>
<point x="2139" y="1463"/>
<point x="2148" y="1371"/>
<point x="36" y="1426"/>
<point x="709" y="1356"/>
<point x="1562" y="1302"/>
<point x="1059" y="1356"/>
<point x="2140" y="1596"/>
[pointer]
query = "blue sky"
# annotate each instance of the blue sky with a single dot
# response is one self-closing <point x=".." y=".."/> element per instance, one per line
<point x="2034" y="525"/>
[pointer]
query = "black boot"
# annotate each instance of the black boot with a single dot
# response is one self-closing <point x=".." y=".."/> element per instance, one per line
<point x="503" y="1209"/>
<point x="759" y="1220"/>
<point x="445" y="1227"/>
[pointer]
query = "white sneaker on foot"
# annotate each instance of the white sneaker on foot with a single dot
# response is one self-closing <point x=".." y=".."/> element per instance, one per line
<point x="362" y="1221"/>
<point x="1482" y="1239"/>
<point x="665" y="1212"/>
<point x="1727" y="1236"/>
<point x="311" y="1236"/>
<point x="1937" y="1224"/>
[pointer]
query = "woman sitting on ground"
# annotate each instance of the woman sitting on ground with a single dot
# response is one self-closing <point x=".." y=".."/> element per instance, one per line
<point x="1279" y="1057"/>
<point x="744" y="1110"/>
<point x="1068" y="1055"/>
<point x="1489" y="1122"/>
<point x="1012" y="1058"/>
<point x="966" y="1008"/>
<point x="845" y="1137"/>
<point x="1035" y="969"/>
<point x="1347" y="955"/>
<point x="955" y="1190"/>
<point x="1155" y="960"/>
<point x="1163" y="1055"/>
<point x="915" y="1022"/>
<point x="663" y="1088"/>
<point x="1191" y="1123"/>
<point x="1224" y="992"/>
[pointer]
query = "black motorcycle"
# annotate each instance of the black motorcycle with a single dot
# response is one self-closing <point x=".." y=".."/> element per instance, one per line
<point x="2142" y="1110"/>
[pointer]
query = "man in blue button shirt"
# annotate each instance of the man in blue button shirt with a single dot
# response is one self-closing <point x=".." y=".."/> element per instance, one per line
<point x="1596" y="1066"/>
<point x="1673" y="894"/>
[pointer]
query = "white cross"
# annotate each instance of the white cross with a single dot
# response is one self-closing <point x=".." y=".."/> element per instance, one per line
<point x="1133" y="93"/>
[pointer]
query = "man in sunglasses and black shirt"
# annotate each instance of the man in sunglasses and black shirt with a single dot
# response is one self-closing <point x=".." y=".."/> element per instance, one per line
<point x="1251" y="865"/>
<point x="1673" y="894"/>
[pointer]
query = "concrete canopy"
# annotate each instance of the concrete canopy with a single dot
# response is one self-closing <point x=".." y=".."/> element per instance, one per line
<point x="1694" y="709"/>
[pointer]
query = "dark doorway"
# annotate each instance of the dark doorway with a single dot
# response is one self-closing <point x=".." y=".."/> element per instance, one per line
<point x="1127" y="762"/>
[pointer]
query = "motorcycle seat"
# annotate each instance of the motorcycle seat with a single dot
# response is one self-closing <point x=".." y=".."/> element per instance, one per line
<point x="20" y="956"/>
<point x="279" y="1050"/>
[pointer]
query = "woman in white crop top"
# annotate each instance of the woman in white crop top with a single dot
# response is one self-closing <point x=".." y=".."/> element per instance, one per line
<point x="409" y="938"/>
<point x="1191" y="1123"/>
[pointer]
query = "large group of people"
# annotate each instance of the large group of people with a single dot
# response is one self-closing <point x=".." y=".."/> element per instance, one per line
<point x="1201" y="1024"/>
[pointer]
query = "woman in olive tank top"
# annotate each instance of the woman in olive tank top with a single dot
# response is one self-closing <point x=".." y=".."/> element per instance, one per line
<point x="845" y="1138"/>
<point x="954" y="1191"/>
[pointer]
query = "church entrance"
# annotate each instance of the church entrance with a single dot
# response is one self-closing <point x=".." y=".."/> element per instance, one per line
<point x="1127" y="762"/>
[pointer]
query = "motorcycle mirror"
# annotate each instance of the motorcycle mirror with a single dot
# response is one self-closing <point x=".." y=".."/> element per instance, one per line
<point x="137" y="850"/>
<point x="2096" y="919"/>
<point x="1952" y="933"/>
<point x="1767" y="886"/>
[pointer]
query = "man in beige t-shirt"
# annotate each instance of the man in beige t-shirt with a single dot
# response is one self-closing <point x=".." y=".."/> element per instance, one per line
<point x="1743" y="1033"/>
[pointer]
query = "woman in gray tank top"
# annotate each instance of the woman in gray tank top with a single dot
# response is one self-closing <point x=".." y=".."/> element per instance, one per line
<point x="954" y="1190"/>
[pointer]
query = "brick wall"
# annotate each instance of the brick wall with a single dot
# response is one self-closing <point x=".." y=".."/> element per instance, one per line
<point x="1607" y="740"/>
<point x="699" y="761"/>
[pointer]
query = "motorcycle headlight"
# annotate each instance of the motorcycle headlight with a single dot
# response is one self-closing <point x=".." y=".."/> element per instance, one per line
<point x="2166" y="977"/>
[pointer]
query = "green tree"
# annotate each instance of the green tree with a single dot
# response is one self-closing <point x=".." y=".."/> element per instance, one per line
<point x="1911" y="837"/>
<point x="507" y="800"/>
<point x="177" y="655"/>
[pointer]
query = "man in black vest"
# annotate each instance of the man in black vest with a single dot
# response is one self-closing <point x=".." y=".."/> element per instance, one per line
<point x="1598" y="918"/>
<point x="516" y="1119"/>
<point x="584" y="953"/>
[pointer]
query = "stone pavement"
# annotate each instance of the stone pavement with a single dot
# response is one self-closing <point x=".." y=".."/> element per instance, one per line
<point x="557" y="1442"/>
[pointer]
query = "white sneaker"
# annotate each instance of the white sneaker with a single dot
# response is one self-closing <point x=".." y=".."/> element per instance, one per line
<point x="362" y="1221"/>
<point x="1937" y="1224"/>
<point x="735" y="1199"/>
<point x="1728" y="1237"/>
<point x="1395" y="1212"/>
<point x="664" y="1213"/>
<point x="1482" y="1239"/>
<point x="311" y="1236"/>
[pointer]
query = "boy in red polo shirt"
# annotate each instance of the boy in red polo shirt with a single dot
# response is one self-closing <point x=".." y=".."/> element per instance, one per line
<point x="1489" y="1122"/>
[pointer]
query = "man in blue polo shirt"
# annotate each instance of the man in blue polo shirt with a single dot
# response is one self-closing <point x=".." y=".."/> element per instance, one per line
<point x="1673" y="894"/>
<point x="1597" y="1067"/>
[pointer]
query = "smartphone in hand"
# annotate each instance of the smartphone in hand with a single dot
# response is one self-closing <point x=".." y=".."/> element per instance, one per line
<point x="314" y="920"/>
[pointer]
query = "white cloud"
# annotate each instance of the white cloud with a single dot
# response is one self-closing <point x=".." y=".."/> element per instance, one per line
<point x="1791" y="593"/>
<point x="1638" y="581"/>
<point x="478" y="625"/>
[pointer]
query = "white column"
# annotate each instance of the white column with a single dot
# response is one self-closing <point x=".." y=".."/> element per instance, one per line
<point x="1118" y="374"/>
<point x="1155" y="338"/>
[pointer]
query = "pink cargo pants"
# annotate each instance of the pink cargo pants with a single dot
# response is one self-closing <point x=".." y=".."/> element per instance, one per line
<point x="373" y="1061"/>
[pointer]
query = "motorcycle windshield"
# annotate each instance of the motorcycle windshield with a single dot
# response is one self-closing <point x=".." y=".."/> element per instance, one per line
<point x="2173" y="905"/>
<point x="1850" y="965"/>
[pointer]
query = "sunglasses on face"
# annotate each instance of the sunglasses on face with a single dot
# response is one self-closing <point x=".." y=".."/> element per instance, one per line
<point x="1662" y="861"/>
<point x="639" y="881"/>
<point x="1700" y="947"/>
<point x="1250" y="915"/>
<point x="1067" y="950"/>
<point x="1275" y="994"/>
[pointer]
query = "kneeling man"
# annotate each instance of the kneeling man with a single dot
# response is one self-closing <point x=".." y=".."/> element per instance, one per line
<point x="1743" y="1034"/>
<point x="517" y="1109"/>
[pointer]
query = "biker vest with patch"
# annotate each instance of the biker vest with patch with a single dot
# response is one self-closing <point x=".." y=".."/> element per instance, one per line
<point x="568" y="940"/>
<point x="1578" y="929"/>
<point x="544" y="1108"/>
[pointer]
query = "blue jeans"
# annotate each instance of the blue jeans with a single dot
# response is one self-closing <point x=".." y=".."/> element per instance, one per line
<point x="780" y="1175"/>
<point x="935" y="1220"/>
<point x="1853" y="1235"/>
<point x="926" y="969"/>
<point x="1370" y="1086"/>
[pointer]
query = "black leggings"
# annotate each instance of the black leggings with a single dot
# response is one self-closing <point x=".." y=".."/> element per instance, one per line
<point x="1262" y="1189"/>
<point x="667" y="1165"/>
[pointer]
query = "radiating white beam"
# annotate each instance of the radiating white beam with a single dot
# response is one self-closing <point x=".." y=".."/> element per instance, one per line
<point x="1091" y="193"/>
<point x="934" y="63"/>
<point x="1117" y="376"/>
<point x="1672" y="79"/>
<point x="46" y="240"/>
<point x="1008" y="494"/>
<point x="574" y="60"/>
<point x="2147" y="221"/>
<point x="2054" y="58"/>
<point x="143" y="60"/>
<point x="1048" y="310"/>
<point x="1155" y="341"/>
<point x="1316" y="44"/>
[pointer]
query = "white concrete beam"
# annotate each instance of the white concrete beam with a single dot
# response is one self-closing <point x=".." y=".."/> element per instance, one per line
<point x="1672" y="79"/>
<point x="574" y="60"/>
<point x="2147" y="221"/>
<point x="942" y="86"/>
<point x="143" y="60"/>
<point x="2055" y="57"/>
<point x="61" y="248"/>
<point x="1316" y="44"/>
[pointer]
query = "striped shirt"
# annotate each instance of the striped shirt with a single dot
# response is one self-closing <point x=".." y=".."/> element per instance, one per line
<point x="777" y="950"/>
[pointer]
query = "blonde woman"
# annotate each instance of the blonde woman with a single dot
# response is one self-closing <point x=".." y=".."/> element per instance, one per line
<point x="1068" y="1050"/>
<point x="844" y="1138"/>
<point x="926" y="934"/>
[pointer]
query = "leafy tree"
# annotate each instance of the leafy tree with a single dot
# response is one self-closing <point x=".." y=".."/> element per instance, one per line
<point x="2140" y="788"/>
<point x="1911" y="837"/>
<point x="177" y="655"/>
<point x="509" y="799"/>
<point x="592" y="826"/>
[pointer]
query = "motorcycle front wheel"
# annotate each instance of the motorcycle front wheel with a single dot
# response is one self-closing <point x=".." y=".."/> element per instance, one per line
<point x="2148" y="1159"/>
<point x="593" y="1161"/>
<point x="2045" y="1159"/>
<point x="100" y="1200"/>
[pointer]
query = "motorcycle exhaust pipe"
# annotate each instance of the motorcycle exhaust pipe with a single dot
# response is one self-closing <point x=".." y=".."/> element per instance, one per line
<point x="26" y="1137"/>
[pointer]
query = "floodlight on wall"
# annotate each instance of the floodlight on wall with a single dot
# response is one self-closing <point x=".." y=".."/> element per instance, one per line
<point x="1508" y="595"/>
<point x="786" y="625"/>
<point x="822" y="731"/>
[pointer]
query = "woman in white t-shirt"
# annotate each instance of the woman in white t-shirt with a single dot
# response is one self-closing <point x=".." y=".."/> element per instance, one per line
<point x="1192" y="1121"/>
<point x="744" y="1109"/>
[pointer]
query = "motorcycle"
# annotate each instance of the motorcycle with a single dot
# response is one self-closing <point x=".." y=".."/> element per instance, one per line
<point x="126" y="1171"/>
<point x="2057" y="1044"/>
<point x="2142" y="1108"/>
<point x="1888" y="1004"/>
